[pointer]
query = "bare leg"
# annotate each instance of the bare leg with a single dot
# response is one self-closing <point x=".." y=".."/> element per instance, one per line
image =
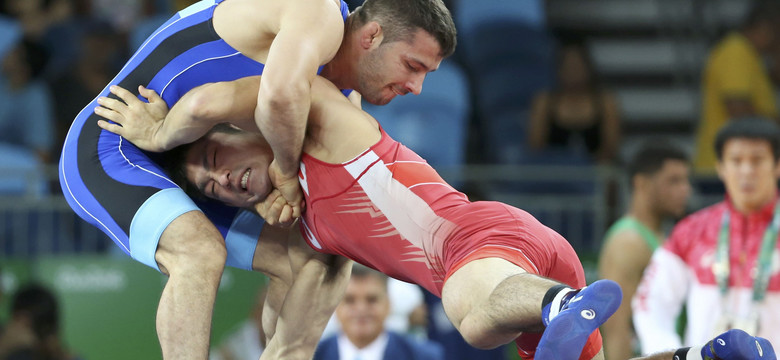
<point x="660" y="356"/>
<point x="491" y="301"/>
<point x="192" y="252"/>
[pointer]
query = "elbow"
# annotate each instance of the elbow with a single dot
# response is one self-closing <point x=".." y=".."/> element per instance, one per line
<point x="200" y="106"/>
<point x="279" y="97"/>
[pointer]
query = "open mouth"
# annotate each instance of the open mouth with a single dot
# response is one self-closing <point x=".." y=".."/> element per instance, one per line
<point x="245" y="179"/>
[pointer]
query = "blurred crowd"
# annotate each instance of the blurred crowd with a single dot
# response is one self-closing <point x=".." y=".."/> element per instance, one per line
<point x="536" y="100"/>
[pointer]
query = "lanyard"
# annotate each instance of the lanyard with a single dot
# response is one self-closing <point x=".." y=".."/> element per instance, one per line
<point x="722" y="266"/>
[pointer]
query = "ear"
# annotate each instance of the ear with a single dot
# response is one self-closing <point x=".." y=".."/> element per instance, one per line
<point x="371" y="35"/>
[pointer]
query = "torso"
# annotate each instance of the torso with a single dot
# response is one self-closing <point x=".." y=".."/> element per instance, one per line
<point x="572" y="116"/>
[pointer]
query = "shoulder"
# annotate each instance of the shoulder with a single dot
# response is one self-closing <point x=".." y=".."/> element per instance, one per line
<point x="694" y="227"/>
<point x="327" y="349"/>
<point x="625" y="248"/>
<point x="733" y="47"/>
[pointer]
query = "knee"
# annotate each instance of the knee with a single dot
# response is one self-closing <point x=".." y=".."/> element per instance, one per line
<point x="192" y="252"/>
<point x="478" y="337"/>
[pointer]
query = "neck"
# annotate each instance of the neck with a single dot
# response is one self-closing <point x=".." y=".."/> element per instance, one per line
<point x="644" y="213"/>
<point x="361" y="343"/>
<point x="341" y="69"/>
<point x="747" y="209"/>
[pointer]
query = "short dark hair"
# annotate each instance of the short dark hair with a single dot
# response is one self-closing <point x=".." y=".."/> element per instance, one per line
<point x="749" y="128"/>
<point x="651" y="156"/>
<point x="361" y="271"/>
<point x="174" y="162"/>
<point x="400" y="19"/>
<point x="40" y="305"/>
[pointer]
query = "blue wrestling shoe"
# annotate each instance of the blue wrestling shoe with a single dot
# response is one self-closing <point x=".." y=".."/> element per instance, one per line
<point x="581" y="312"/>
<point x="736" y="344"/>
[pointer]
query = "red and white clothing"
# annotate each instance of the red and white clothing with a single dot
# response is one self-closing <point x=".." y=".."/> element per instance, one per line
<point x="682" y="272"/>
<point x="389" y="210"/>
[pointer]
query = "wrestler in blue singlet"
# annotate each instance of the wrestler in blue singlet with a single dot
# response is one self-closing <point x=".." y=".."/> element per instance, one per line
<point x="117" y="187"/>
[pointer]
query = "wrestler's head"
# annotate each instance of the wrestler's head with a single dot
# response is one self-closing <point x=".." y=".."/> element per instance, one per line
<point x="396" y="43"/>
<point x="219" y="166"/>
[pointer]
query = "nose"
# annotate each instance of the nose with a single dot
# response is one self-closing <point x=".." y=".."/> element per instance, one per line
<point x="414" y="85"/>
<point x="222" y="177"/>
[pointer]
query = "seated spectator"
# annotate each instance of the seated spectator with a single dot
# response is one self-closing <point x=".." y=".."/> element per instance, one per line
<point x="362" y="315"/>
<point x="33" y="330"/>
<point x="25" y="102"/>
<point x="94" y="68"/>
<point x="578" y="115"/>
<point x="736" y="82"/>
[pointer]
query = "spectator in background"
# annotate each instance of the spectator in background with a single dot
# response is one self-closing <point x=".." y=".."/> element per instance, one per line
<point x="94" y="68"/>
<point x="362" y="315"/>
<point x="25" y="103"/>
<point x="736" y="82"/>
<point x="721" y="261"/>
<point x="658" y="177"/>
<point x="578" y="114"/>
<point x="33" y="330"/>
<point x="248" y="341"/>
<point x="50" y="23"/>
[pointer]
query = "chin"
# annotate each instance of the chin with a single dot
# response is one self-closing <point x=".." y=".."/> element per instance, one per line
<point x="379" y="101"/>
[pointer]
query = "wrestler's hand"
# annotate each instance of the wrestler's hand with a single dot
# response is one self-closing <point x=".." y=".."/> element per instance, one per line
<point x="275" y="210"/>
<point x="135" y="120"/>
<point x="288" y="186"/>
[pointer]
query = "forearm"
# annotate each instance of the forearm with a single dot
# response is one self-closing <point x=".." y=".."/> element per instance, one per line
<point x="281" y="115"/>
<point x="277" y="292"/>
<point x="196" y="113"/>
<point x="308" y="305"/>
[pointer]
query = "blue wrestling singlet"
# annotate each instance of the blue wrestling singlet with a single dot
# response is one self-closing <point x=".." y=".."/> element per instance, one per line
<point x="119" y="188"/>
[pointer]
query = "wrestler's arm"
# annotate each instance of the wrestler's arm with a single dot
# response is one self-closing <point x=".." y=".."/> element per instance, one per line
<point x="304" y="290"/>
<point x="152" y="127"/>
<point x="310" y="33"/>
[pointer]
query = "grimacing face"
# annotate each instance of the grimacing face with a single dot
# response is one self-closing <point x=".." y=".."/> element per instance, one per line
<point x="749" y="171"/>
<point x="671" y="187"/>
<point x="231" y="168"/>
<point x="363" y="310"/>
<point x="397" y="68"/>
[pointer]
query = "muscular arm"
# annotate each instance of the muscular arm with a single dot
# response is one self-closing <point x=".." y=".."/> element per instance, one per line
<point x="152" y="127"/>
<point x="309" y="35"/>
<point x="667" y="355"/>
<point x="623" y="259"/>
<point x="304" y="290"/>
<point x="319" y="284"/>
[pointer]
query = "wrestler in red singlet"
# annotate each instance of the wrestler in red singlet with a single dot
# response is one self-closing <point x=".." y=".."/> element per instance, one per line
<point x="389" y="210"/>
